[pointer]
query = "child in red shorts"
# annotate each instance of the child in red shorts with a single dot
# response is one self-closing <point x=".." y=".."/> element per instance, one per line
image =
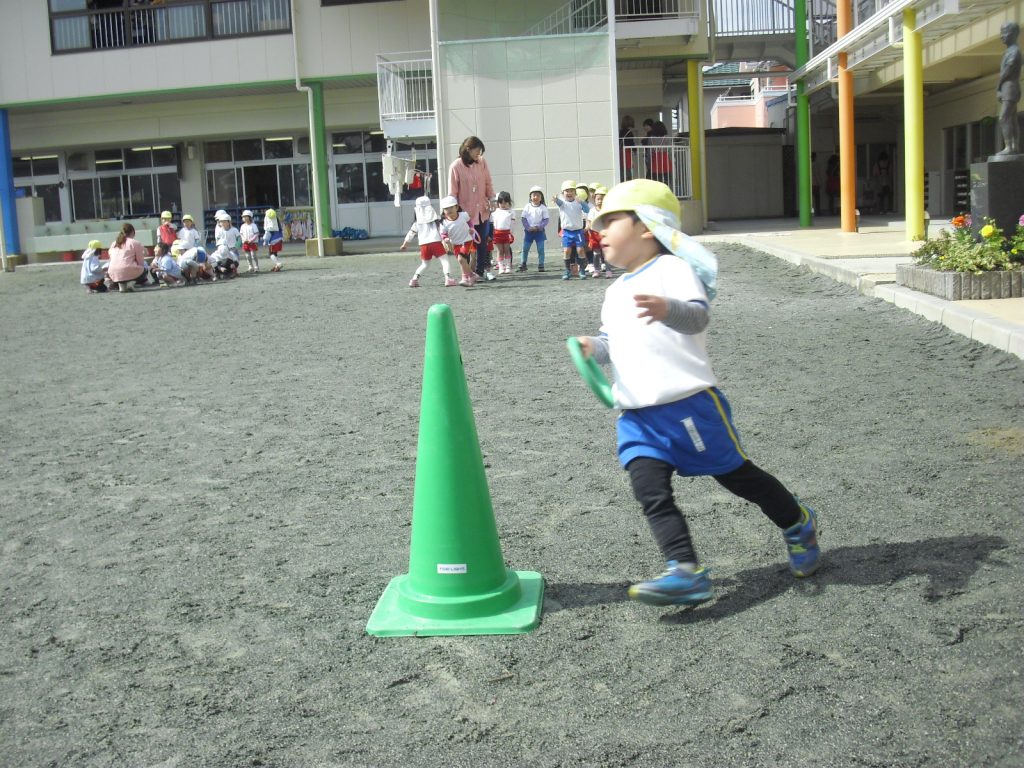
<point x="427" y="229"/>
<point x="502" y="218"/>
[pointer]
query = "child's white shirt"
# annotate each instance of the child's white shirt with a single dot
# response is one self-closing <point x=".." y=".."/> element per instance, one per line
<point x="458" y="231"/>
<point x="570" y="215"/>
<point x="249" y="233"/>
<point x="270" y="225"/>
<point x="425" y="232"/>
<point x="592" y="214"/>
<point x="535" y="215"/>
<point x="503" y="218"/>
<point x="654" y="364"/>
<point x="189" y="255"/>
<point x="189" y="238"/>
<point x="92" y="268"/>
<point x="229" y="237"/>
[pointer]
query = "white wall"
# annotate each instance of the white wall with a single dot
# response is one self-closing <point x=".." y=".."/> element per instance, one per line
<point x="542" y="107"/>
<point x="333" y="41"/>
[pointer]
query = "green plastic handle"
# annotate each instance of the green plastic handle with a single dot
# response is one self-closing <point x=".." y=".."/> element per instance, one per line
<point x="591" y="373"/>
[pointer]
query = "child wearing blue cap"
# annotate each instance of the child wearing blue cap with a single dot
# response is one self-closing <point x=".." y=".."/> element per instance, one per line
<point x="674" y="419"/>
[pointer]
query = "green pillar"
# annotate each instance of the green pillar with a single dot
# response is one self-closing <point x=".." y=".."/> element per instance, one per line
<point x="695" y="104"/>
<point x="318" y="147"/>
<point x="803" y="119"/>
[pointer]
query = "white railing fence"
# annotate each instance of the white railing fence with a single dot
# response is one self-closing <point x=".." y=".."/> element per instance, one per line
<point x="573" y="17"/>
<point x="667" y="161"/>
<point x="405" y="86"/>
<point x="182" y="21"/>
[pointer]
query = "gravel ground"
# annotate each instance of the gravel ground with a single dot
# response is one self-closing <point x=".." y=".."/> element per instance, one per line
<point x="206" y="490"/>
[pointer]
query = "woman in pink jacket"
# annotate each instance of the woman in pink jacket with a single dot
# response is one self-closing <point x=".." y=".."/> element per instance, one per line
<point x="469" y="182"/>
<point x="127" y="259"/>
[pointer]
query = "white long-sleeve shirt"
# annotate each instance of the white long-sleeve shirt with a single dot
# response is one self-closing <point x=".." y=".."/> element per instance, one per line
<point x="425" y="232"/>
<point x="535" y="216"/>
<point x="93" y="270"/>
<point x="570" y="214"/>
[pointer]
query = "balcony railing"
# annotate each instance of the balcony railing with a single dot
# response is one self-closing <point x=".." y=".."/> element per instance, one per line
<point x="173" y="22"/>
<point x="589" y="15"/>
<point x="665" y="159"/>
<point x="405" y="86"/>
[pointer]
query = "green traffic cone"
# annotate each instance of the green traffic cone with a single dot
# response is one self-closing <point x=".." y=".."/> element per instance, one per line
<point x="457" y="582"/>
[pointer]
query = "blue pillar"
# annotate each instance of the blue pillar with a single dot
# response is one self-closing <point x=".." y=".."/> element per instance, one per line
<point x="8" y="210"/>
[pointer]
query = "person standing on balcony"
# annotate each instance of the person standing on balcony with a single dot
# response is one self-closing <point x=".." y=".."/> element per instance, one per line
<point x="469" y="182"/>
<point x="627" y="148"/>
<point x="659" y="167"/>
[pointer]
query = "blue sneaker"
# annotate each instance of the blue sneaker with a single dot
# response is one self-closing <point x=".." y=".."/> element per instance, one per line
<point x="565" y="275"/>
<point x="802" y="543"/>
<point x="680" y="584"/>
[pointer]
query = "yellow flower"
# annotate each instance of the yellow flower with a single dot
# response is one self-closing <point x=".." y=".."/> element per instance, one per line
<point x="987" y="230"/>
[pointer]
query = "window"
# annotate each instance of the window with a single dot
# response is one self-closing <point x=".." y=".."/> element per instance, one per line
<point x="358" y="172"/>
<point x="254" y="171"/>
<point x="78" y="25"/>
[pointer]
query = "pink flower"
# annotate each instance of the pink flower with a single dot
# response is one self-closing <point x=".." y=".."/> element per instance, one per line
<point x="1020" y="221"/>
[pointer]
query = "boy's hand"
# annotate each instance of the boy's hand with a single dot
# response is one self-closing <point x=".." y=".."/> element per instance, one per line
<point x="654" y="308"/>
<point x="401" y="247"/>
<point x="585" y="346"/>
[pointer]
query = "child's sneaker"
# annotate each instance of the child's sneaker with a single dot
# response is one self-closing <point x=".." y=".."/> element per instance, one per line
<point x="565" y="275"/>
<point x="450" y="281"/>
<point x="489" y="276"/>
<point x="414" y="283"/>
<point x="802" y="543"/>
<point x="521" y="268"/>
<point x="465" y="281"/>
<point x="679" y="584"/>
<point x="608" y="274"/>
<point x="540" y="268"/>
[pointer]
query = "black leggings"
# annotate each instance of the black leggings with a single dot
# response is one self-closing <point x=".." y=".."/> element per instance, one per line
<point x="652" y="486"/>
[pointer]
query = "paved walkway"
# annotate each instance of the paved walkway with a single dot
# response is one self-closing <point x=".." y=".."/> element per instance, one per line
<point x="867" y="261"/>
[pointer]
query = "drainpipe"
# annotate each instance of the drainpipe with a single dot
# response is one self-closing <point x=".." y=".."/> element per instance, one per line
<point x="317" y="213"/>
<point x="435" y="83"/>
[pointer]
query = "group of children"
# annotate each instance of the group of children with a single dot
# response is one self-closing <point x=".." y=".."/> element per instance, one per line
<point x="180" y="256"/>
<point x="451" y="234"/>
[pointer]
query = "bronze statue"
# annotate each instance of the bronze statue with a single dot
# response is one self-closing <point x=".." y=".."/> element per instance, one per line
<point x="1008" y="90"/>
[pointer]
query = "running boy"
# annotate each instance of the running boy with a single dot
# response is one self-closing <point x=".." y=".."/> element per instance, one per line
<point x="674" y="418"/>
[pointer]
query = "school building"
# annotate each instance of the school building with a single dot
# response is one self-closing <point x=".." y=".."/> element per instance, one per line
<point x="119" y="109"/>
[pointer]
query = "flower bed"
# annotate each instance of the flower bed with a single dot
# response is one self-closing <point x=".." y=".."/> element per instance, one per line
<point x="961" y="265"/>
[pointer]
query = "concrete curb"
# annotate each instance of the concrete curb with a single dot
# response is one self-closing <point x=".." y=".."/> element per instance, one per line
<point x="978" y="326"/>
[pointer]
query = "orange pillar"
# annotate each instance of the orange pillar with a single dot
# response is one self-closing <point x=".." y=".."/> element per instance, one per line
<point x="847" y="145"/>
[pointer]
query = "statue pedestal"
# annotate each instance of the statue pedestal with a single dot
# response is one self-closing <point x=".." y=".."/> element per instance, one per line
<point x="997" y="192"/>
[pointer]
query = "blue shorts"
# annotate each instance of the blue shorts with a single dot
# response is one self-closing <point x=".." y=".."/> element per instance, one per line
<point x="695" y="435"/>
<point x="571" y="237"/>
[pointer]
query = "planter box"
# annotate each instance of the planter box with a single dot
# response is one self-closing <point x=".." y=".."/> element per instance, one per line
<point x="955" y="286"/>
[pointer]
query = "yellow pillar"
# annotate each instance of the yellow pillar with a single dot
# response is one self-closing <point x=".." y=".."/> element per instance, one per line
<point x="847" y="144"/>
<point x="913" y="127"/>
<point x="695" y="105"/>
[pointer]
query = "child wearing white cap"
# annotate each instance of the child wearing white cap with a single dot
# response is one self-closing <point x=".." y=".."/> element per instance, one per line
<point x="673" y="417"/>
<point x="458" y="236"/>
<point x="250" y="235"/>
<point x="535" y="222"/>
<point x="94" y="271"/>
<point x="426" y="228"/>
<point x="225" y="257"/>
